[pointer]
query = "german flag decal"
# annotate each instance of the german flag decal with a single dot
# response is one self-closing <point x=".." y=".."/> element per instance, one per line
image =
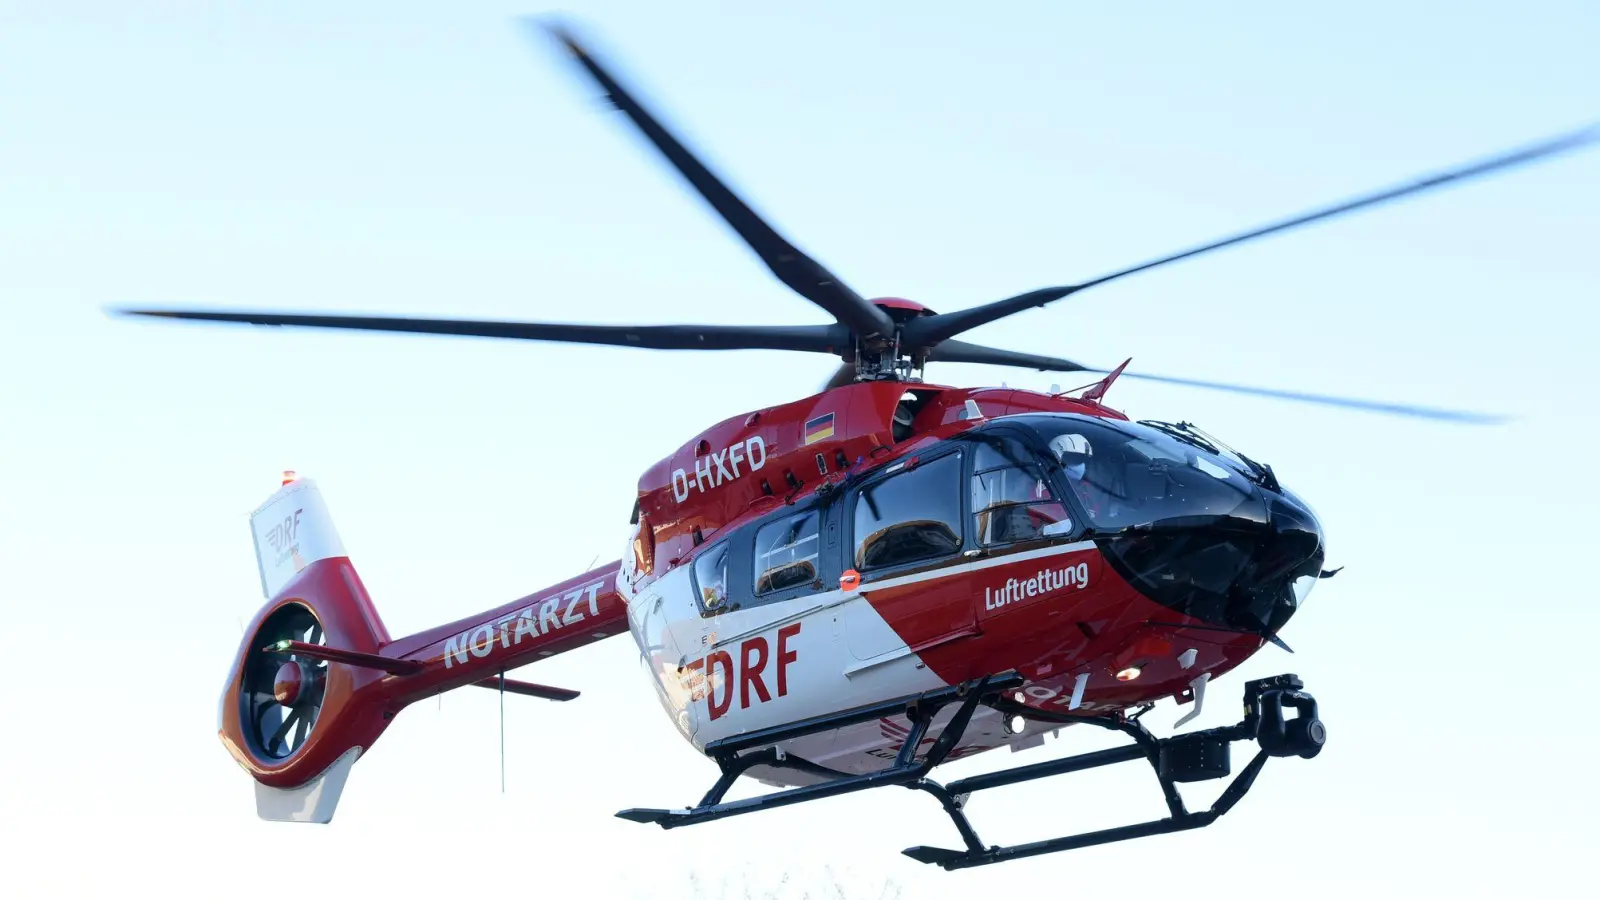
<point x="820" y="428"/>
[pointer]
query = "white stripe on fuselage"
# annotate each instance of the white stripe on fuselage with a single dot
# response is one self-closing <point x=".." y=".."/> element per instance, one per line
<point x="837" y="597"/>
<point x="821" y="671"/>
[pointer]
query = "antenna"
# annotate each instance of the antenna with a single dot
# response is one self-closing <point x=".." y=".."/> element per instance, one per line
<point x="502" y="731"/>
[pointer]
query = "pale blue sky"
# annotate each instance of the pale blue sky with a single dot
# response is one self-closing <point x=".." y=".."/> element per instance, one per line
<point x="425" y="158"/>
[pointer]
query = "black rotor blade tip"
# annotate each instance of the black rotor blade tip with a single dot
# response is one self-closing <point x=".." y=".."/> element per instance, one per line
<point x="556" y="28"/>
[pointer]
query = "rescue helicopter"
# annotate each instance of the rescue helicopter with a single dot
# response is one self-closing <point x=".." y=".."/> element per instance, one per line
<point x="848" y="590"/>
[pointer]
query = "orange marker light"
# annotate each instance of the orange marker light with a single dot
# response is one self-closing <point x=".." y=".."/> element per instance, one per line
<point x="850" y="580"/>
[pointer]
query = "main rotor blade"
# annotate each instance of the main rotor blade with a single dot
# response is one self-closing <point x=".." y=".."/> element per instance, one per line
<point x="804" y="275"/>
<point x="1378" y="406"/>
<point x="961" y="351"/>
<point x="930" y="330"/>
<point x="812" y="338"/>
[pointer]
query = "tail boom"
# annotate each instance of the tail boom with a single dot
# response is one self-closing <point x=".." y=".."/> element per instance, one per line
<point x="572" y="614"/>
<point x="317" y="679"/>
<point x="361" y="697"/>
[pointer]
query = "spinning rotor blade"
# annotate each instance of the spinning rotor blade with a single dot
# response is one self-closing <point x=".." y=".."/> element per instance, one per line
<point x="960" y="351"/>
<point x="814" y="338"/>
<point x="930" y="330"/>
<point x="804" y="275"/>
<point x="1397" y="409"/>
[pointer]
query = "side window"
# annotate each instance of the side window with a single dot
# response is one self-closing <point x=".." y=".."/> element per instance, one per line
<point x="911" y="516"/>
<point x="1011" y="500"/>
<point x="711" y="576"/>
<point x="787" y="553"/>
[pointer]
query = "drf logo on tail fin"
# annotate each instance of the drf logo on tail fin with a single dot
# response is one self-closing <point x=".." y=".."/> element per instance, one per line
<point x="282" y="535"/>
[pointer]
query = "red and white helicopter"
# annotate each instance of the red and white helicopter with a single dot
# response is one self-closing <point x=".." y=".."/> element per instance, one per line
<point x="845" y="591"/>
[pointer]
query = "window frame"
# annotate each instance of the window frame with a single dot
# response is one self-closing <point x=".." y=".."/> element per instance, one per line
<point x="850" y="544"/>
<point x="1032" y="459"/>
<point x="741" y="545"/>
<point x="730" y="597"/>
<point x="789" y="514"/>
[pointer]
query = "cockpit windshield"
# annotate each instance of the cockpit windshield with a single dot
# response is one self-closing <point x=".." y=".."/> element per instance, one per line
<point x="1127" y="474"/>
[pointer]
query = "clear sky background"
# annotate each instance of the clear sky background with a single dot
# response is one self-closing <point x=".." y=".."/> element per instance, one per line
<point x="426" y="158"/>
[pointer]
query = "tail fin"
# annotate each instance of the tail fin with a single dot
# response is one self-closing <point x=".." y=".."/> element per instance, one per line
<point x="292" y="529"/>
<point x="283" y="714"/>
<point x="317" y="679"/>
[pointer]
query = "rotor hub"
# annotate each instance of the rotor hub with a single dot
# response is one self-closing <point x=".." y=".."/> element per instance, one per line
<point x="288" y="683"/>
<point x="900" y="309"/>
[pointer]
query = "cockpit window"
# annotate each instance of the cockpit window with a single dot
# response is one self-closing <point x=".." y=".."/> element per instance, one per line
<point x="911" y="516"/>
<point x="786" y="553"/>
<point x="1011" y="497"/>
<point x="711" y="574"/>
<point x="1125" y="474"/>
<point x="1193" y="436"/>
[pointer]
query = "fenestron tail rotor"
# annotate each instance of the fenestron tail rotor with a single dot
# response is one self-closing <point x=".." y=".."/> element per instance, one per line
<point x="281" y="692"/>
<point x="876" y="339"/>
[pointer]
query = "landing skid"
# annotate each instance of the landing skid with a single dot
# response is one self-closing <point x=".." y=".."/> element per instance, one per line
<point x="907" y="770"/>
<point x="1197" y="756"/>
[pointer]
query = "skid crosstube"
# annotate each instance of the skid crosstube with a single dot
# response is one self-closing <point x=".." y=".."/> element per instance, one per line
<point x="907" y="769"/>
<point x="1196" y="756"/>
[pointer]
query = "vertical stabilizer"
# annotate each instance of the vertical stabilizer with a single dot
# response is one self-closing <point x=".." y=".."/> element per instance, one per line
<point x="292" y="530"/>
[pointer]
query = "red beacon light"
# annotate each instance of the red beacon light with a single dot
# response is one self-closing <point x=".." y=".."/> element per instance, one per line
<point x="289" y="475"/>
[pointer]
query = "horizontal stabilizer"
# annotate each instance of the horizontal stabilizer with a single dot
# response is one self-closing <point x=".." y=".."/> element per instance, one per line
<point x="529" y="689"/>
<point x="348" y="657"/>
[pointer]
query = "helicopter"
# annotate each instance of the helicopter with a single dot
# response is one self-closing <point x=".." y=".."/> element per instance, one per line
<point x="848" y="590"/>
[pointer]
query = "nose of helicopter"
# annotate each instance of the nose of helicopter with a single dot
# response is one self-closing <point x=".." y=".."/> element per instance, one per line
<point x="1247" y="572"/>
<point x="1286" y="564"/>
